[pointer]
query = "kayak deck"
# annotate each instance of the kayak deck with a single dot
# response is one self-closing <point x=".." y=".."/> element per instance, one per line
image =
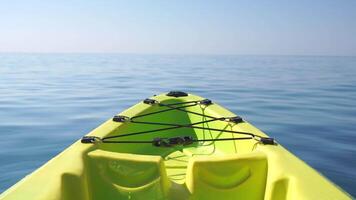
<point x="241" y="167"/>
<point x="176" y="157"/>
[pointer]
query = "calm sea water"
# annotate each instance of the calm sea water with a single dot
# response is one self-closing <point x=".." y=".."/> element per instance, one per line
<point x="48" y="101"/>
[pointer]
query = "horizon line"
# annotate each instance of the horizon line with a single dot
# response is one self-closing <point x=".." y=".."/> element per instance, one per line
<point x="178" y="54"/>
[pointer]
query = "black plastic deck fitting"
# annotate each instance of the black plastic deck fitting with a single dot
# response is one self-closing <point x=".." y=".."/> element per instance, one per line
<point x="89" y="139"/>
<point x="120" y="118"/>
<point x="150" y="101"/>
<point x="267" y="140"/>
<point x="206" y="102"/>
<point x="174" y="141"/>
<point x="177" y="94"/>
<point x="236" y="119"/>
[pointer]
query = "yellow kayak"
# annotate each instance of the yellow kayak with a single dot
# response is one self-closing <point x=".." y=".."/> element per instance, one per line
<point x="175" y="146"/>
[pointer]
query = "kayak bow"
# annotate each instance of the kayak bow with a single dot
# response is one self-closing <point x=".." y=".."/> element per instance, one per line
<point x="175" y="146"/>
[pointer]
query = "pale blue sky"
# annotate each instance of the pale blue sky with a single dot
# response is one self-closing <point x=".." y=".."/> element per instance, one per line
<point x="313" y="27"/>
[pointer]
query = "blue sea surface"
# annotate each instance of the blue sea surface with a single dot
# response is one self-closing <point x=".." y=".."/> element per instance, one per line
<point x="48" y="101"/>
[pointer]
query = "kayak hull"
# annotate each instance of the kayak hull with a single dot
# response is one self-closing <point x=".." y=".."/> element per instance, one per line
<point x="232" y="169"/>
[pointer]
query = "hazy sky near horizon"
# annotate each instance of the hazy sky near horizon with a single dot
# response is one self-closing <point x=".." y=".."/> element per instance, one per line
<point x="318" y="27"/>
